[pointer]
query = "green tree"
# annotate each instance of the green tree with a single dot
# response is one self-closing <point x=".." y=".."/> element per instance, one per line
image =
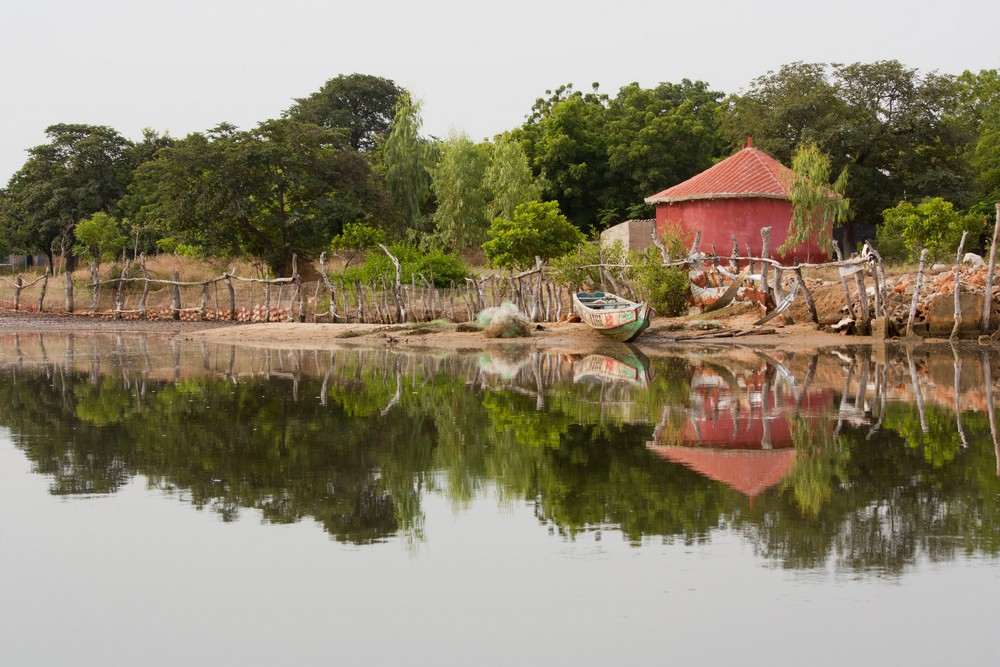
<point x="933" y="224"/>
<point x="355" y="239"/>
<point x="458" y="183"/>
<point x="817" y="205"/>
<point x="980" y="105"/>
<point x="408" y="159"/>
<point x="509" y="181"/>
<point x="899" y="133"/>
<point x="280" y="189"/>
<point x="599" y="157"/>
<point x="99" y="237"/>
<point x="362" y="104"/>
<point x="537" y="229"/>
<point x="83" y="169"/>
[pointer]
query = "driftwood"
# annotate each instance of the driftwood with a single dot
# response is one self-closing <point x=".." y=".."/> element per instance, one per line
<point x="916" y="292"/>
<point x="958" y="293"/>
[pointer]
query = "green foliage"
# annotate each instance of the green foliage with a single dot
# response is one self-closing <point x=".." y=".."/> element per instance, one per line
<point x="898" y="133"/>
<point x="408" y="159"/>
<point x="362" y="104"/>
<point x="600" y="156"/>
<point x="666" y="288"/>
<point x="509" y="181"/>
<point x="537" y="229"/>
<point x="816" y="204"/>
<point x="355" y="239"/>
<point x="933" y="224"/>
<point x="99" y="237"/>
<point x="82" y="170"/>
<point x="458" y="183"/>
<point x="436" y="266"/>
<point x="283" y="188"/>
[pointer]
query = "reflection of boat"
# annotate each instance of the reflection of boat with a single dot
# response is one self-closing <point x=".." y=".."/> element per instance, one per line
<point x="603" y="368"/>
<point x="611" y="315"/>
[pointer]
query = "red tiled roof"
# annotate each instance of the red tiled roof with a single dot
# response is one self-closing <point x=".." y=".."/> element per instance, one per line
<point x="748" y="173"/>
<point x="747" y="471"/>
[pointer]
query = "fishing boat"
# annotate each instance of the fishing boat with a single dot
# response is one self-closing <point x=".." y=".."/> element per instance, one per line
<point x="611" y="315"/>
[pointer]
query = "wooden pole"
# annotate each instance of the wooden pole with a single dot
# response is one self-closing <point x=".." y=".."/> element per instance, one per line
<point x="175" y="297"/>
<point x="988" y="301"/>
<point x="41" y="296"/>
<point x="228" y="279"/>
<point x="95" y="278"/>
<point x="916" y="292"/>
<point x="18" y="284"/>
<point x="779" y="293"/>
<point x="145" y="286"/>
<point x="843" y="281"/>
<point x="68" y="281"/>
<point x="808" y="295"/>
<point x="765" y="252"/>
<point x="958" y="292"/>
<point x="859" y="279"/>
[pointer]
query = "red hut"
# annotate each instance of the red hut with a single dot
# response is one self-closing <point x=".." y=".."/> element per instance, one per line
<point x="736" y="197"/>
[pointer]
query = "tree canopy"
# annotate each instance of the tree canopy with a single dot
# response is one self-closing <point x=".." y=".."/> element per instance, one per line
<point x="362" y="104"/>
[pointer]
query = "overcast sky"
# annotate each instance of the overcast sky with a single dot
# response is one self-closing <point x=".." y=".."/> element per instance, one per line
<point x="185" y="66"/>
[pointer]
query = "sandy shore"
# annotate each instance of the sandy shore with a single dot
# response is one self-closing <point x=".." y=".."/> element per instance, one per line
<point x="575" y="336"/>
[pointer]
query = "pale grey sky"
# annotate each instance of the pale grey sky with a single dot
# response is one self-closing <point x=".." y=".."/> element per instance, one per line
<point x="184" y="66"/>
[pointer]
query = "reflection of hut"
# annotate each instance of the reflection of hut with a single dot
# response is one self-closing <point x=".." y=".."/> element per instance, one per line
<point x="747" y="471"/>
<point x="737" y="428"/>
<point x="736" y="197"/>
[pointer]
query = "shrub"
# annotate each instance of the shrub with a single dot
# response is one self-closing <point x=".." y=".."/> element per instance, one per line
<point x="933" y="224"/>
<point x="436" y="266"/>
<point x="665" y="288"/>
<point x="537" y="230"/>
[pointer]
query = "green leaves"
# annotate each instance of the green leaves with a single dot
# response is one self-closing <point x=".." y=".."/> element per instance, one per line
<point x="817" y="205"/>
<point x="537" y="230"/>
<point x="933" y="224"/>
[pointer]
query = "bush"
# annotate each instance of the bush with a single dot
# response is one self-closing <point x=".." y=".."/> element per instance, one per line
<point x="537" y="230"/>
<point x="665" y="288"/>
<point x="578" y="268"/>
<point x="436" y="266"/>
<point x="933" y="224"/>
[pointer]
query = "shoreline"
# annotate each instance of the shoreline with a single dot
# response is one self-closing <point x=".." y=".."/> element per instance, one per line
<point x="664" y="332"/>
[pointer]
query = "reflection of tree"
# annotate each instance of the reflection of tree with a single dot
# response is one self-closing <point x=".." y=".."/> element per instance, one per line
<point x="819" y="465"/>
<point x="371" y="433"/>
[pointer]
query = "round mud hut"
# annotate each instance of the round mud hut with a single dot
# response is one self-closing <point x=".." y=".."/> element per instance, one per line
<point x="733" y="200"/>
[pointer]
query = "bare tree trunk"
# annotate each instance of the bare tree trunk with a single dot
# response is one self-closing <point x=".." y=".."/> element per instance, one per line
<point x="68" y="281"/>
<point x="45" y="284"/>
<point x="843" y="281"/>
<point x="145" y="285"/>
<point x="175" y="302"/>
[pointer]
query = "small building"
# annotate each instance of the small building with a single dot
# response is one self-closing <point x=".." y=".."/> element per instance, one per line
<point x="634" y="234"/>
<point x="735" y="198"/>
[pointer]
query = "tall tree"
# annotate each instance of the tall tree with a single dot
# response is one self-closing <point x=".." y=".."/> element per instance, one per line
<point x="817" y="204"/>
<point x="362" y="104"/>
<point x="509" y="180"/>
<point x="898" y="133"/>
<point x="83" y="169"/>
<point x="458" y="182"/>
<point x="408" y="158"/>
<point x="599" y="157"/>
<point x="280" y="189"/>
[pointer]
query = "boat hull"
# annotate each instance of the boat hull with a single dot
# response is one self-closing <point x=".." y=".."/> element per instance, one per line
<point x="621" y="323"/>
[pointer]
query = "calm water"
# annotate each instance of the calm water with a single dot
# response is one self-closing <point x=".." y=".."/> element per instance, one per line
<point x="167" y="502"/>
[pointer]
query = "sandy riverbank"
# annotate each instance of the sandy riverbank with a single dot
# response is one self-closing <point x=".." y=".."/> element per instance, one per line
<point x="573" y="336"/>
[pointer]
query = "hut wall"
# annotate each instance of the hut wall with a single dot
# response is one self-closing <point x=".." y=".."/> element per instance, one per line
<point x="718" y="218"/>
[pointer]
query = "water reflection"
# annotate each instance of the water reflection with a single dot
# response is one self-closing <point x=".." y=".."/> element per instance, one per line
<point x="870" y="457"/>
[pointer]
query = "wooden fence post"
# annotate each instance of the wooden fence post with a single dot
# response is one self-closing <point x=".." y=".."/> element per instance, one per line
<point x="958" y="294"/>
<point x="228" y="279"/>
<point x="18" y="284"/>
<point x="916" y="292"/>
<point x="95" y="278"/>
<point x="988" y="301"/>
<point x="145" y="286"/>
<point x="68" y="280"/>
<point x="45" y="285"/>
<point x="765" y="253"/>
<point x="175" y="300"/>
